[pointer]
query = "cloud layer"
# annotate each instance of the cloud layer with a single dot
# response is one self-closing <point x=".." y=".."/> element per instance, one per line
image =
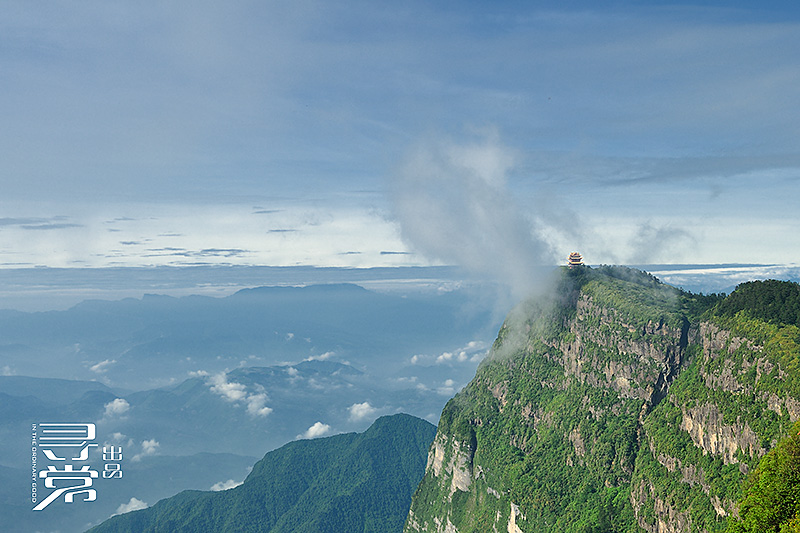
<point x="253" y="134"/>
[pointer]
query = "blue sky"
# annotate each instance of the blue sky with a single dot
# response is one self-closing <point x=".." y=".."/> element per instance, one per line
<point x="388" y="134"/>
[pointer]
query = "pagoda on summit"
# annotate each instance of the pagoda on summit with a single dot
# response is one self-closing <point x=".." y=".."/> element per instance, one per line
<point x="574" y="260"/>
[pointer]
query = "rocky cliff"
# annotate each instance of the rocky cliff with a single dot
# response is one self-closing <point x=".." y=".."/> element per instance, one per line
<point x="615" y="404"/>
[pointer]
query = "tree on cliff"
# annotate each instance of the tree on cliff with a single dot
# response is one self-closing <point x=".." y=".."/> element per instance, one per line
<point x="771" y="497"/>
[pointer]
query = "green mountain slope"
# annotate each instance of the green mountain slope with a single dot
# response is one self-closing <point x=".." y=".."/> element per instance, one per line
<point x="618" y="404"/>
<point x="359" y="482"/>
<point x="771" y="496"/>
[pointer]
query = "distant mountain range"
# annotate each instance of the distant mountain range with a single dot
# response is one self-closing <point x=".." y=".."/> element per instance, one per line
<point x="158" y="340"/>
<point x="235" y="377"/>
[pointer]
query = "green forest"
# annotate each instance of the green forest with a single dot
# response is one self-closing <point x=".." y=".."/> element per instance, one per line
<point x="771" y="495"/>
<point x="580" y="415"/>
<point x="350" y="482"/>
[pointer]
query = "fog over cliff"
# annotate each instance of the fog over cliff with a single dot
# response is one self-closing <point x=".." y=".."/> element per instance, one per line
<point x="453" y="205"/>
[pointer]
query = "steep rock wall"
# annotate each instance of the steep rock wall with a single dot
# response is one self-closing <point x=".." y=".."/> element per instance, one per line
<point x="610" y="409"/>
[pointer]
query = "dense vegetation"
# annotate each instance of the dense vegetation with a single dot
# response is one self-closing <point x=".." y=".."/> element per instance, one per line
<point x="352" y="482"/>
<point x="559" y="447"/>
<point x="776" y="302"/>
<point x="771" y="496"/>
<point x="581" y="416"/>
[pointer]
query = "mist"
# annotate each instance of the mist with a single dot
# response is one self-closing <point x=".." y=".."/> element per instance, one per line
<point x="453" y="206"/>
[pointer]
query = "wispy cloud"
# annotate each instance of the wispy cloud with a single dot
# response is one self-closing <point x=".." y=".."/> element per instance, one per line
<point x="447" y="388"/>
<point x="102" y="366"/>
<point x="321" y="357"/>
<point x="32" y="223"/>
<point x="52" y="226"/>
<point x="667" y="243"/>
<point x="10" y="221"/>
<point x="472" y="352"/>
<point x="225" y="485"/>
<point x="453" y="206"/>
<point x="207" y="252"/>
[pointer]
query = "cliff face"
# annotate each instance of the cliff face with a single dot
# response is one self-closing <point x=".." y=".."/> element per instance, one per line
<point x="606" y="408"/>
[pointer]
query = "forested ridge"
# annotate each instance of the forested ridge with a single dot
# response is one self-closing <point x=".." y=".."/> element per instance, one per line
<point x="773" y="301"/>
<point x="350" y="482"/>
<point x="622" y="404"/>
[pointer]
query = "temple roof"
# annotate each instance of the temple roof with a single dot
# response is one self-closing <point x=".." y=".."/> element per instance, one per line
<point x="574" y="259"/>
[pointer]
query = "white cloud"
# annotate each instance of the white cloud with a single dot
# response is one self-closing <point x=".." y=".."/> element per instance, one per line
<point x="118" y="437"/>
<point x="102" y="366"/>
<point x="461" y="356"/>
<point x="6" y="371"/>
<point x="448" y="388"/>
<point x="198" y="374"/>
<point x="314" y="384"/>
<point x="478" y="356"/>
<point x="134" y="504"/>
<point x="225" y="485"/>
<point x="317" y="430"/>
<point x="360" y="411"/>
<point x="323" y="357"/>
<point x="149" y="447"/>
<point x="256" y="405"/>
<point x="231" y="391"/>
<point x="472" y="352"/>
<point x="116" y="407"/>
